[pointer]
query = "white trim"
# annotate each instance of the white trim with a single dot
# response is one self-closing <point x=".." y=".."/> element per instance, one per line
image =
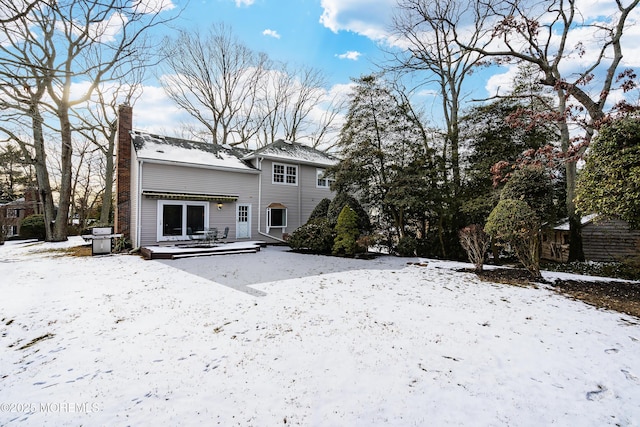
<point x="285" y="174"/>
<point x="248" y="206"/>
<point x="286" y="215"/>
<point x="199" y="166"/>
<point x="327" y="181"/>
<point x="184" y="203"/>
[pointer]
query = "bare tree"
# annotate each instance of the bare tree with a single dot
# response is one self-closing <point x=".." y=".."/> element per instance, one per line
<point x="328" y="124"/>
<point x="275" y="90"/>
<point x="305" y="95"/>
<point x="425" y="31"/>
<point x="45" y="53"/>
<point x="83" y="194"/>
<point x="216" y="79"/>
<point x="98" y="123"/>
<point x="542" y="34"/>
<point x="295" y="105"/>
<point x="25" y="8"/>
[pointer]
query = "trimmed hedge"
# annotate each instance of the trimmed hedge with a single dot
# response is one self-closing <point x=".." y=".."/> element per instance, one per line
<point x="32" y="227"/>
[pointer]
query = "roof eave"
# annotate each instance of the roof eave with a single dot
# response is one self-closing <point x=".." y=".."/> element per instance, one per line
<point x="248" y="169"/>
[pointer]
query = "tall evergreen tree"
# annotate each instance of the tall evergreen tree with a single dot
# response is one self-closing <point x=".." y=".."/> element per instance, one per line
<point x="502" y="131"/>
<point x="15" y="173"/>
<point x="385" y="156"/>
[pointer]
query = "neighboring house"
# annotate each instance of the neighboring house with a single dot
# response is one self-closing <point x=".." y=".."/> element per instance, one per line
<point x="12" y="213"/>
<point x="603" y="240"/>
<point x="169" y="189"/>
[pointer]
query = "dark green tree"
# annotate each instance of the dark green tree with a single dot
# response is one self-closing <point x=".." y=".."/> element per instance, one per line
<point x="533" y="185"/>
<point x="338" y="203"/>
<point x="501" y="132"/>
<point x="15" y="173"/>
<point x="381" y="143"/>
<point x="609" y="183"/>
<point x="321" y="209"/>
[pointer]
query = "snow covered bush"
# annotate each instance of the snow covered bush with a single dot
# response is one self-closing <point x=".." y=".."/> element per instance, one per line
<point x="475" y="242"/>
<point x="515" y="223"/>
<point x="315" y="236"/>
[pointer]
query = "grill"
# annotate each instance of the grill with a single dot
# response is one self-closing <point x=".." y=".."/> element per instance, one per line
<point x="101" y="240"/>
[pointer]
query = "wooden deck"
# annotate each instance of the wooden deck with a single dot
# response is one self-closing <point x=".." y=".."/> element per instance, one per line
<point x="189" y="251"/>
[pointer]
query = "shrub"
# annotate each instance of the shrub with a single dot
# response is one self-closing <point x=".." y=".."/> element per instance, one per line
<point x="315" y="236"/>
<point x="321" y="209"/>
<point x="533" y="185"/>
<point x="339" y="202"/>
<point x="515" y="223"/>
<point x="32" y="227"/>
<point x="475" y="242"/>
<point x="367" y="240"/>
<point x="609" y="183"/>
<point x="347" y="233"/>
<point x="407" y="246"/>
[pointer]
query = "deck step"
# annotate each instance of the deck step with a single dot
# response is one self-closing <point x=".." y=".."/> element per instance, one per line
<point x="209" y="253"/>
<point x="177" y="251"/>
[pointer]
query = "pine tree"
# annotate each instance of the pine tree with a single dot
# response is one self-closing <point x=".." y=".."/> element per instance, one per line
<point x="347" y="233"/>
<point x="386" y="159"/>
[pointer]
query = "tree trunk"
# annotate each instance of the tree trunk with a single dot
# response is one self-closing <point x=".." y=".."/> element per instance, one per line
<point x="62" y="218"/>
<point x="575" y="235"/>
<point x="108" y="182"/>
<point x="42" y="174"/>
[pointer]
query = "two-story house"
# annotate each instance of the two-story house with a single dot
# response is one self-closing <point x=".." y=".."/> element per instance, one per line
<point x="12" y="213"/>
<point x="169" y="189"/>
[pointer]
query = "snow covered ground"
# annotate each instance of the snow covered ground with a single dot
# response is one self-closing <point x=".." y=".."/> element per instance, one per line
<point x="276" y="338"/>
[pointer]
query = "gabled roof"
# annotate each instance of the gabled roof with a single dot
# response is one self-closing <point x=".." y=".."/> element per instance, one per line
<point x="181" y="151"/>
<point x="293" y="152"/>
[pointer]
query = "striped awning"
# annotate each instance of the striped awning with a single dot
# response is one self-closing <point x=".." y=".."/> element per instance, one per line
<point x="190" y="196"/>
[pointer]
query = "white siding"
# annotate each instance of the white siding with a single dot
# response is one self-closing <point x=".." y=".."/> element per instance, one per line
<point x="300" y="200"/>
<point x="133" y="194"/>
<point x="171" y="178"/>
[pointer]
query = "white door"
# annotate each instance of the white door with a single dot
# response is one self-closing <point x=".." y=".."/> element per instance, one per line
<point x="243" y="221"/>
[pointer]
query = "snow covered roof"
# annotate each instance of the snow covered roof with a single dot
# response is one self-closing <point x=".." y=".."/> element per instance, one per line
<point x="175" y="150"/>
<point x="293" y="151"/>
<point x="564" y="224"/>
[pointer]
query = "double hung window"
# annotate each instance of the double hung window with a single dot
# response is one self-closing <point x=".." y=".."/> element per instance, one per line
<point x="285" y="174"/>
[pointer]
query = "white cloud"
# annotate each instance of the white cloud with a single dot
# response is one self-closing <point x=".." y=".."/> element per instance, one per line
<point x="363" y="17"/>
<point x="246" y="3"/>
<point x="153" y="6"/>
<point x="154" y="112"/>
<point x="350" y="54"/>
<point x="502" y="83"/>
<point x="271" y="33"/>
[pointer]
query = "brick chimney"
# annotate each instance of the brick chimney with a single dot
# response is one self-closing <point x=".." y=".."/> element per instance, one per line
<point x="123" y="172"/>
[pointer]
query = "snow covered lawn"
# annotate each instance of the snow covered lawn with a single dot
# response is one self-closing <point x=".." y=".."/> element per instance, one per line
<point x="277" y="338"/>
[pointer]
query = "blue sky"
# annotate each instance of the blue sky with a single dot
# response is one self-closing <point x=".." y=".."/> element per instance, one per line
<point x="338" y="37"/>
<point x="342" y="38"/>
<point x="295" y="31"/>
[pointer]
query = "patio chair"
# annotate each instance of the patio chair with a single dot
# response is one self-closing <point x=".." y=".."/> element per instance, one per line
<point x="211" y="235"/>
<point x="196" y="236"/>
<point x="225" y="234"/>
